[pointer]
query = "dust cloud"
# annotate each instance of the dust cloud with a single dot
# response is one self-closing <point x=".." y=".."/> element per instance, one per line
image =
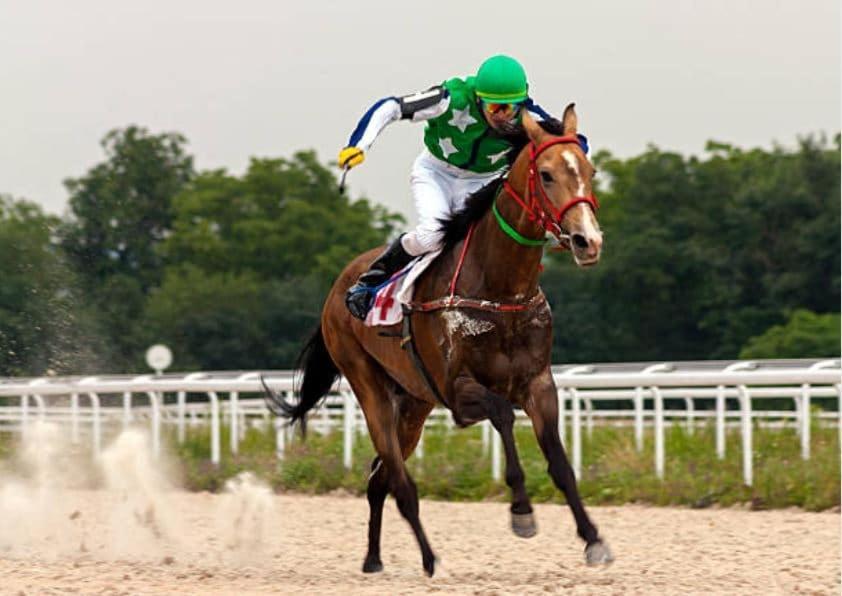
<point x="45" y="498"/>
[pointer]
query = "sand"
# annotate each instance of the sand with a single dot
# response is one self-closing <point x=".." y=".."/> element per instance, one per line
<point x="228" y="544"/>
<point x="139" y="534"/>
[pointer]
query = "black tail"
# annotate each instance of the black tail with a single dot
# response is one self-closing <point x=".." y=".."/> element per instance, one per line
<point x="320" y="373"/>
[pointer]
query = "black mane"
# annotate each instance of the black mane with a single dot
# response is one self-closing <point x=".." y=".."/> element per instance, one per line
<point x="479" y="202"/>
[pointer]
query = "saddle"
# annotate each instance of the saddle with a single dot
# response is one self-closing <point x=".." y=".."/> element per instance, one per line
<point x="397" y="292"/>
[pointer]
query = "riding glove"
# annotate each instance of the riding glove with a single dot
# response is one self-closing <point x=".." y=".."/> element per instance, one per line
<point x="350" y="157"/>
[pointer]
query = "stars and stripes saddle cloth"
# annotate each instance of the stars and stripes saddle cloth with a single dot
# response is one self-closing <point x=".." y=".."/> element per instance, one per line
<point x="397" y="291"/>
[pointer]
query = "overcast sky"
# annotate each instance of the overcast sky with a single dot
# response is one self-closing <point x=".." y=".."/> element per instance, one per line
<point x="242" y="79"/>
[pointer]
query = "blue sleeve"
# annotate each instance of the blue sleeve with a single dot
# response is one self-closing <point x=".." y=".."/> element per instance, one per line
<point x="363" y="124"/>
<point x="536" y="109"/>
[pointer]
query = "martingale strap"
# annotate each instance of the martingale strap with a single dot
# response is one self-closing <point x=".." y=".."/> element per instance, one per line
<point x="408" y="344"/>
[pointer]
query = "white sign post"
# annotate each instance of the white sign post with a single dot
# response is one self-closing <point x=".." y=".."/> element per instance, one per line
<point x="159" y="358"/>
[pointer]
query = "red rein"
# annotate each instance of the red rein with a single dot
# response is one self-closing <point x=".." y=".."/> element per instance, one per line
<point x="537" y="204"/>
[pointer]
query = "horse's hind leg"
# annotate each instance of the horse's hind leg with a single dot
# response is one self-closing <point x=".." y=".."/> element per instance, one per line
<point x="410" y="425"/>
<point x="543" y="409"/>
<point x="474" y="402"/>
<point x="369" y="383"/>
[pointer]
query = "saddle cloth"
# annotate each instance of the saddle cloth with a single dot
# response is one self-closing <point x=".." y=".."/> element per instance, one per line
<point x="388" y="300"/>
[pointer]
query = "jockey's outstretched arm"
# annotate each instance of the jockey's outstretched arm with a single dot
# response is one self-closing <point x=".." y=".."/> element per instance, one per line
<point x="417" y="108"/>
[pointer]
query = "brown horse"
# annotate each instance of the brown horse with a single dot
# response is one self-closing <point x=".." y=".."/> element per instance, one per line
<point x="483" y="348"/>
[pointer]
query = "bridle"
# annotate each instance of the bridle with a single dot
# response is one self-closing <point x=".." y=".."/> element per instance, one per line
<point x="536" y="202"/>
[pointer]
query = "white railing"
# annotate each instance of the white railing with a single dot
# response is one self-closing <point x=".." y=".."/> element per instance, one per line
<point x="745" y="382"/>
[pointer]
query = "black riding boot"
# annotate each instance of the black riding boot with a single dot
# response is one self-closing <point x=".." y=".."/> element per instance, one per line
<point x="360" y="297"/>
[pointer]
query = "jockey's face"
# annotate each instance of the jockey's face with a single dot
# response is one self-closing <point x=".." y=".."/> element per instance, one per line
<point x="502" y="117"/>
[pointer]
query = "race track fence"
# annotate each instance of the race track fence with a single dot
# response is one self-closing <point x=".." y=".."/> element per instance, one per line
<point x="578" y="387"/>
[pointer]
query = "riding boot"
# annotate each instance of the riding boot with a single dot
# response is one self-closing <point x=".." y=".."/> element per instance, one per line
<point x="360" y="297"/>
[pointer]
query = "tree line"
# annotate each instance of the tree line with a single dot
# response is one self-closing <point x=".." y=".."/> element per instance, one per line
<point x="733" y="254"/>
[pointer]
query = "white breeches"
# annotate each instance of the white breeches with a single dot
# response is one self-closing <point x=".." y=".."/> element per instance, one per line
<point x="438" y="190"/>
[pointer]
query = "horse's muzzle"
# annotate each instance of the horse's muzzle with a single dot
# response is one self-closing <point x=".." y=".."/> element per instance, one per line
<point x="586" y="248"/>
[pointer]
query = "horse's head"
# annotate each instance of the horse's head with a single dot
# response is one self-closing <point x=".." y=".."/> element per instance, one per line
<point x="559" y="185"/>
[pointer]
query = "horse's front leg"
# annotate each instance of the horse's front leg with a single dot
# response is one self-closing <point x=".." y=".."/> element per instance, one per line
<point x="542" y="408"/>
<point x="473" y="402"/>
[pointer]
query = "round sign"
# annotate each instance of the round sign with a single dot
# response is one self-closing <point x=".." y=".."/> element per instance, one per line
<point x="158" y="357"/>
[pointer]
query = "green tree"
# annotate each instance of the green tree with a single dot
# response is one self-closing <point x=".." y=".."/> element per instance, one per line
<point x="804" y="335"/>
<point x="284" y="218"/>
<point x="42" y="327"/>
<point x="701" y="254"/>
<point x="120" y="213"/>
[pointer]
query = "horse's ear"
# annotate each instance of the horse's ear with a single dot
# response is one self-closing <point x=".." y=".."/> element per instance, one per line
<point x="533" y="130"/>
<point x="569" y="120"/>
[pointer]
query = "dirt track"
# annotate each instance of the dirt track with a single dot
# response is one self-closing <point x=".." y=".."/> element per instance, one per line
<point x="316" y="544"/>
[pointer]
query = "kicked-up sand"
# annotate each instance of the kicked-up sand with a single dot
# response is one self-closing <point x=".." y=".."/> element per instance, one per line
<point x="250" y="542"/>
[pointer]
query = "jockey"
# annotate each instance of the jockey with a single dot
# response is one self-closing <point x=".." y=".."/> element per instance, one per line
<point x="465" y="148"/>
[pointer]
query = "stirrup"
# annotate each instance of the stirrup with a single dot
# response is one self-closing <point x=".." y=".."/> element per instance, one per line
<point x="359" y="299"/>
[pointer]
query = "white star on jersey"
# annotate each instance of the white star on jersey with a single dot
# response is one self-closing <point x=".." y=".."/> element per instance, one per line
<point x="447" y="147"/>
<point x="462" y="119"/>
<point x="495" y="157"/>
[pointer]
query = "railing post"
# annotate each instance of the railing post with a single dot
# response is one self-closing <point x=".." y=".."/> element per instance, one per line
<point x="839" y="410"/>
<point x="745" y="405"/>
<point x="96" y="425"/>
<point x="659" y="432"/>
<point x="419" y="448"/>
<point x="215" y="440"/>
<point x="688" y="404"/>
<point x="588" y="415"/>
<point x="720" y="405"/>
<point x="486" y="436"/>
<point x="638" y="418"/>
<point x="42" y="408"/>
<point x="806" y="417"/>
<point x="96" y="428"/>
<point x="496" y="457"/>
<point x="24" y="414"/>
<point x="720" y="421"/>
<point x="805" y="421"/>
<point x="24" y="406"/>
<point x="74" y="418"/>
<point x="638" y="402"/>
<point x="576" y="431"/>
<point x="39" y="399"/>
<point x="562" y="423"/>
<point x="576" y="418"/>
<point x="348" y="430"/>
<point x="181" y="398"/>
<point x="127" y="409"/>
<point x="234" y="407"/>
<point x="280" y="436"/>
<point x="156" y="422"/>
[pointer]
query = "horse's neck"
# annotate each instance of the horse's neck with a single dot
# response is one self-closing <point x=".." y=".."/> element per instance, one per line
<point x="496" y="267"/>
<point x="509" y="270"/>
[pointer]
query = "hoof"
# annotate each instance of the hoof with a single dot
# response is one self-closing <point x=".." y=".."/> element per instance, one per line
<point x="598" y="553"/>
<point x="372" y="566"/>
<point x="523" y="525"/>
<point x="430" y="567"/>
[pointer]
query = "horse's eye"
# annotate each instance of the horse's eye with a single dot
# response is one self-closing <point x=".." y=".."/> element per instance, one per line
<point x="546" y="177"/>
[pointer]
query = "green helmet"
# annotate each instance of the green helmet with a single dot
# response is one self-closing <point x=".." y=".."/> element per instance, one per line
<point x="501" y="79"/>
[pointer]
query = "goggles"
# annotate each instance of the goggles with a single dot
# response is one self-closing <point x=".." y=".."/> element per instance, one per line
<point x="509" y="110"/>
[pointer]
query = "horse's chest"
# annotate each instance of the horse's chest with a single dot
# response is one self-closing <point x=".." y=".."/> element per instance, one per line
<point x="502" y="350"/>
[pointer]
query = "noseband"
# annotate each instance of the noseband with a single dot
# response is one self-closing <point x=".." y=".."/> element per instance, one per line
<point x="536" y="203"/>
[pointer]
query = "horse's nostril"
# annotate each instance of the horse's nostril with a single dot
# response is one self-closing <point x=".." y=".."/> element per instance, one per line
<point x="579" y="241"/>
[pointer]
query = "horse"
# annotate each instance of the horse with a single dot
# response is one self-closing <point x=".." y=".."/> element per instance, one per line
<point x="477" y="337"/>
